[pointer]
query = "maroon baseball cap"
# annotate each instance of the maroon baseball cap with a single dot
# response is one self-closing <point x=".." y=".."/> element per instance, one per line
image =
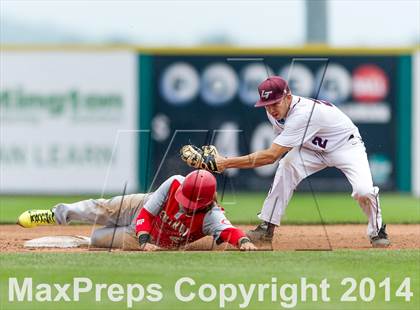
<point x="271" y="90"/>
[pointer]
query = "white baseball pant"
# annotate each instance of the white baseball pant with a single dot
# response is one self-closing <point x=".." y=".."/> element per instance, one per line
<point x="351" y="159"/>
<point x="118" y="218"/>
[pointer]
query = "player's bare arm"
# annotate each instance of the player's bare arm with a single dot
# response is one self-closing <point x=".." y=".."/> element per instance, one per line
<point x="256" y="159"/>
<point x="207" y="157"/>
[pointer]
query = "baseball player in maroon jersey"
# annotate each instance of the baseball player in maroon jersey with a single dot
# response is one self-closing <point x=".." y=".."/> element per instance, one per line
<point x="310" y="135"/>
<point x="180" y="211"/>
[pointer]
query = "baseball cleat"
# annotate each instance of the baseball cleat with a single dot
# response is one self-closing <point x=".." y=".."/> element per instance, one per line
<point x="33" y="218"/>
<point x="262" y="233"/>
<point x="381" y="240"/>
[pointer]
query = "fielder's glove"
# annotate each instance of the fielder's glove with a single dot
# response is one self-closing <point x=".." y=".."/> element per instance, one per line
<point x="204" y="158"/>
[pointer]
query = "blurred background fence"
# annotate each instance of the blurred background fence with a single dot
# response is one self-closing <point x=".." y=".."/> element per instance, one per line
<point x="87" y="120"/>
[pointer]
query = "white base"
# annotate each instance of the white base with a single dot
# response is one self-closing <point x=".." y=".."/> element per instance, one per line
<point x="58" y="242"/>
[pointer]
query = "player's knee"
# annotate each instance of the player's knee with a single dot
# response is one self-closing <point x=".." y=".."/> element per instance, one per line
<point x="292" y="173"/>
<point x="362" y="191"/>
<point x="94" y="239"/>
<point x="101" y="238"/>
<point x="100" y="201"/>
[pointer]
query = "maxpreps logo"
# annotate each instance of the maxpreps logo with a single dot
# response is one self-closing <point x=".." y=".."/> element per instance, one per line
<point x="20" y="104"/>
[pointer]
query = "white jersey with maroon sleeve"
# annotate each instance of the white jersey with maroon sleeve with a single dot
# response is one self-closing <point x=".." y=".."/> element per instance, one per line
<point x="325" y="130"/>
<point x="329" y="139"/>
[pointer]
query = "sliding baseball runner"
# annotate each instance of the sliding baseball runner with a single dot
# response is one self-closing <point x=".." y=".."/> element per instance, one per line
<point x="182" y="210"/>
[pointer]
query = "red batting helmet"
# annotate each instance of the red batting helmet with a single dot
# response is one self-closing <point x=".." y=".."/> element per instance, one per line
<point x="272" y="90"/>
<point x="197" y="190"/>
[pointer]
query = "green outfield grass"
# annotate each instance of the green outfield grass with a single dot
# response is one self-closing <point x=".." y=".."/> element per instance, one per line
<point x="216" y="268"/>
<point x="243" y="207"/>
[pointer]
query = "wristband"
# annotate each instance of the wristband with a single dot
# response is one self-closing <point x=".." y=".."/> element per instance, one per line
<point x="144" y="238"/>
<point x="244" y="240"/>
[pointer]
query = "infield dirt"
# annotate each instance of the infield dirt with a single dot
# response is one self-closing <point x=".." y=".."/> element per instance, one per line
<point x="287" y="237"/>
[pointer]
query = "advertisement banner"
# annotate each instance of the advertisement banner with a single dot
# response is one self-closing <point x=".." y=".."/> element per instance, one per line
<point x="210" y="99"/>
<point x="415" y="138"/>
<point x="67" y="121"/>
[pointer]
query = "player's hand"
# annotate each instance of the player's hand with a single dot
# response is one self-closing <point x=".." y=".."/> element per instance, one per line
<point x="149" y="247"/>
<point x="205" y="157"/>
<point x="246" y="245"/>
<point x="144" y="242"/>
<point x="214" y="162"/>
<point x="220" y="163"/>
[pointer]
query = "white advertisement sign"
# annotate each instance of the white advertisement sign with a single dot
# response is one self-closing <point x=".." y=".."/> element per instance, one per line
<point x="66" y="120"/>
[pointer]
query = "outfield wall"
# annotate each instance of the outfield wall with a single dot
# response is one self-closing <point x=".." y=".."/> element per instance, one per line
<point x="415" y="142"/>
<point x="90" y="119"/>
<point x="216" y="92"/>
<point x="63" y="121"/>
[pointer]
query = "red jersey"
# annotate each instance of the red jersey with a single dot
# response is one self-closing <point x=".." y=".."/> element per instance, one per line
<point x="170" y="227"/>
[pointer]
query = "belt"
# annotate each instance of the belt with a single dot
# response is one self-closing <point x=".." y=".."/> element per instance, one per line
<point x="351" y="137"/>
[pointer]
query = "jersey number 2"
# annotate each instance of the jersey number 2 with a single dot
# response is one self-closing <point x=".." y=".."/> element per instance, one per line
<point x="321" y="143"/>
